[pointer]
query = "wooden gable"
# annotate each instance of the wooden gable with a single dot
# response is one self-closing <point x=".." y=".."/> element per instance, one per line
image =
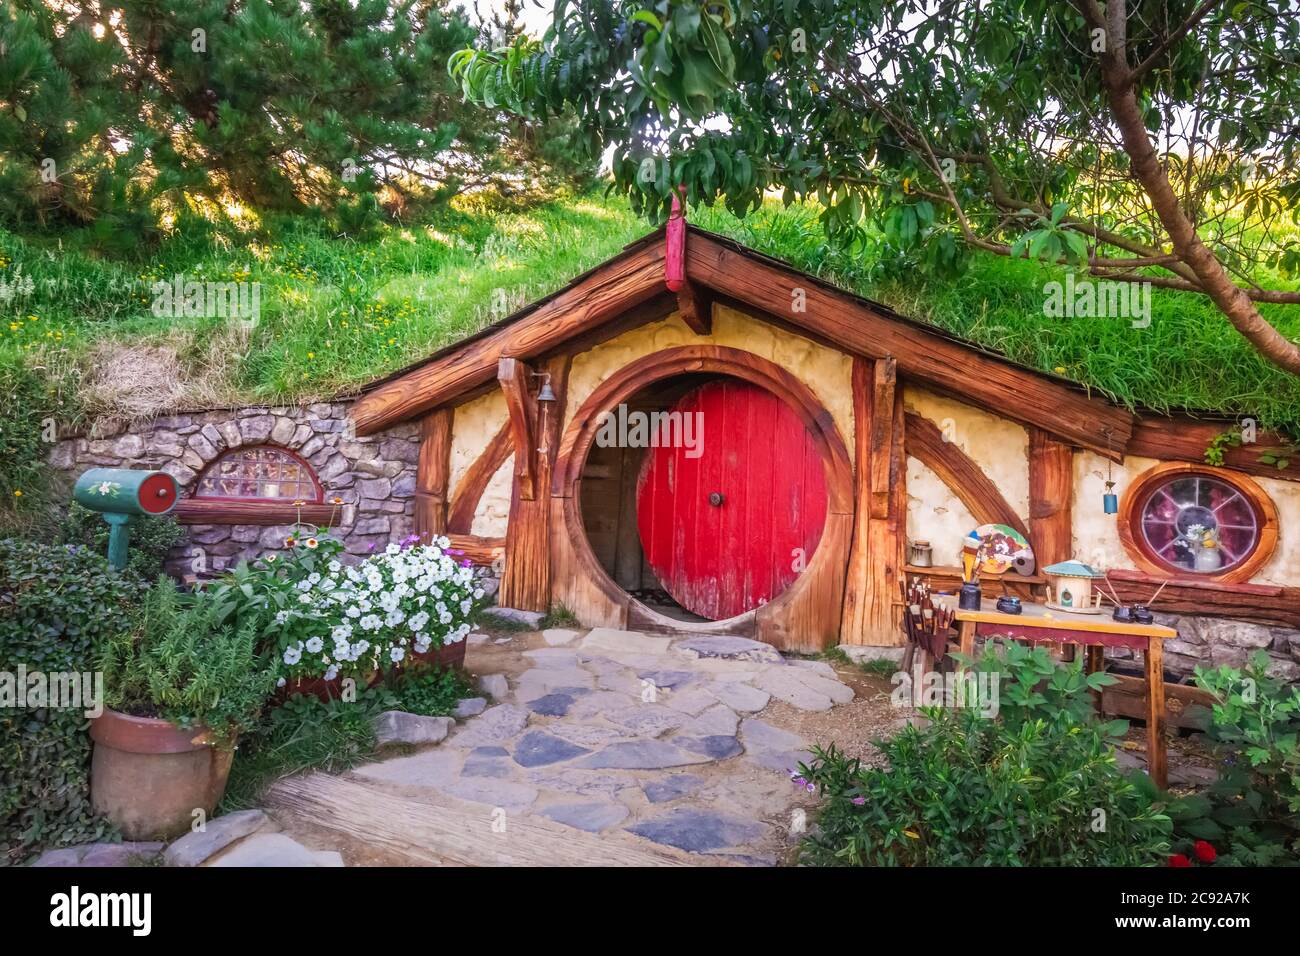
<point x="633" y="282"/>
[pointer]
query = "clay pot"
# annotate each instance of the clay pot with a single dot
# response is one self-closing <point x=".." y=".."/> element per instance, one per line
<point x="148" y="776"/>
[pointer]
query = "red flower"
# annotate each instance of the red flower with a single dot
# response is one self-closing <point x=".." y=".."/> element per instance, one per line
<point x="1204" y="851"/>
<point x="1179" y="860"/>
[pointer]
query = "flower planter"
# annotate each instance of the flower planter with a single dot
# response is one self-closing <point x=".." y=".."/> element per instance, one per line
<point x="451" y="656"/>
<point x="148" y="776"/>
<point x="318" y="687"/>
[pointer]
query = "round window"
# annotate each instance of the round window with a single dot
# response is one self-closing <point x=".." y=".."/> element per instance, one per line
<point x="1197" y="523"/>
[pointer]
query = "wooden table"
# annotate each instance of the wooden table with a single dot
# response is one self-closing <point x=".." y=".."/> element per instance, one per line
<point x="1040" y="624"/>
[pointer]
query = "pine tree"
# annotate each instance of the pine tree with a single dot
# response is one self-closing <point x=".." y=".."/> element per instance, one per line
<point x="113" y="114"/>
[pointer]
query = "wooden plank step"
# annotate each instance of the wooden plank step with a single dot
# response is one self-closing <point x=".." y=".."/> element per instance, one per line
<point x="443" y="831"/>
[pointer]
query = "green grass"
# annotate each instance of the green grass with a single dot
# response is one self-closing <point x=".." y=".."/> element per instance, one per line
<point x="1189" y="358"/>
<point x="559" y="616"/>
<point x="301" y="734"/>
<point x="880" y="667"/>
<point x="305" y="733"/>
<point x="338" y="313"/>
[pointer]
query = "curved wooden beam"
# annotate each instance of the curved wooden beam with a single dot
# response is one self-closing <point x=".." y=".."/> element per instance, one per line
<point x="960" y="473"/>
<point x="720" y="360"/>
<point x="460" y="518"/>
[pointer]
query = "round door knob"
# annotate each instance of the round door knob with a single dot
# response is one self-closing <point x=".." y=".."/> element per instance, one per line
<point x="716" y="499"/>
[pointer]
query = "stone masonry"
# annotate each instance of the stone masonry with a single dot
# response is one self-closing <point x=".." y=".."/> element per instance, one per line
<point x="374" y="476"/>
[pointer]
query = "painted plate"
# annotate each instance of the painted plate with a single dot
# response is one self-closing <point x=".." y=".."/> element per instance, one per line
<point x="999" y="546"/>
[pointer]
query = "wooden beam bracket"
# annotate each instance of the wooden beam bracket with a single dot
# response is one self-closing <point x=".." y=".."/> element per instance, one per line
<point x="884" y="380"/>
<point x="514" y="376"/>
<point x="695" y="305"/>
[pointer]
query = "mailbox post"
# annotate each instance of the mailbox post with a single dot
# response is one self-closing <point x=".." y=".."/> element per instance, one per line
<point x="121" y="495"/>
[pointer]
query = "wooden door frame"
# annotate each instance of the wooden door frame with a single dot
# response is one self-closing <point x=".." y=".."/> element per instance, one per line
<point x="806" y="615"/>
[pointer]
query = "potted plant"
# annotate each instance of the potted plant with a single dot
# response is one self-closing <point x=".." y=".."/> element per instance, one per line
<point x="321" y="621"/>
<point x="179" y="687"/>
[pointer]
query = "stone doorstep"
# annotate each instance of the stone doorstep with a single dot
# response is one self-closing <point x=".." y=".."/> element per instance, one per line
<point x="273" y="850"/>
<point x="219" y="833"/>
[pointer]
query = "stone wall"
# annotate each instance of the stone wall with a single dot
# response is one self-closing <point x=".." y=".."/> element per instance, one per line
<point x="1214" y="642"/>
<point x="374" y="476"/>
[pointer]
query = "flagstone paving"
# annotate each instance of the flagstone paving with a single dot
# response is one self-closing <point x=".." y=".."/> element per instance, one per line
<point x="634" y="738"/>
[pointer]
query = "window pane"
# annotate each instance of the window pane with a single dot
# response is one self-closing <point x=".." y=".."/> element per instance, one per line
<point x="258" y="473"/>
<point x="1200" y="524"/>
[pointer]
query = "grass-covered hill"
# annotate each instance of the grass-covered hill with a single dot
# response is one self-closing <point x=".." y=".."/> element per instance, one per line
<point x="78" y="338"/>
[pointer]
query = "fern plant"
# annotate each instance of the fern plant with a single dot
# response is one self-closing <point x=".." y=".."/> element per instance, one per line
<point x="180" y="664"/>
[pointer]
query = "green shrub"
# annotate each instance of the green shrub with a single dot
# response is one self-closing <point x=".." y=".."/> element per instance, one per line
<point x="304" y="733"/>
<point x="179" y="664"/>
<point x="24" y="409"/>
<point x="56" y="604"/>
<point x="433" y="693"/>
<point x="1035" y="786"/>
<point x="151" y="538"/>
<point x="1251" y="814"/>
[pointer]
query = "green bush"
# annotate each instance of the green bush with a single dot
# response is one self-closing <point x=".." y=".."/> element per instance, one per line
<point x="179" y="664"/>
<point x="1251" y="814"/>
<point x="151" y="538"/>
<point x="24" y="408"/>
<point x="56" y="604"/>
<point x="433" y="693"/>
<point x="1035" y="786"/>
<point x="304" y="733"/>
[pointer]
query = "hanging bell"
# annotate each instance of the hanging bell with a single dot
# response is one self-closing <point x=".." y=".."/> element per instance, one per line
<point x="1110" y="500"/>
<point x="546" y="394"/>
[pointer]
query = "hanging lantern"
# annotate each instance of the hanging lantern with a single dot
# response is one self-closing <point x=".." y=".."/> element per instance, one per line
<point x="1109" y="500"/>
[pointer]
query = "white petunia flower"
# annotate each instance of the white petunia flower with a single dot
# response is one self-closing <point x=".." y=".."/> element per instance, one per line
<point x="314" y="645"/>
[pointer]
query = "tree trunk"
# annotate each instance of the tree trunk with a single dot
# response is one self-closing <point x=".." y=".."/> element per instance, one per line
<point x="1209" y="271"/>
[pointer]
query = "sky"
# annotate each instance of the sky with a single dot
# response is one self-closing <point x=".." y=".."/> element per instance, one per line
<point x="536" y="13"/>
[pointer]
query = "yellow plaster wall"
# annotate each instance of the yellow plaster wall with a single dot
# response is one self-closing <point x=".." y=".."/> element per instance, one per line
<point x="935" y="514"/>
<point x="1096" y="534"/>
<point x="473" y="427"/>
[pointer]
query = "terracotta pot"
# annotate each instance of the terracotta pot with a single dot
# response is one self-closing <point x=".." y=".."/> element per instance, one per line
<point x="148" y="776"/>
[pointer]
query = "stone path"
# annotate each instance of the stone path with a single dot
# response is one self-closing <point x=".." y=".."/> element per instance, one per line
<point x="656" y="747"/>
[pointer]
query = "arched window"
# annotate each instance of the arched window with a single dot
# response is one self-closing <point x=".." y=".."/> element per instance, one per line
<point x="1193" y="521"/>
<point x="258" y="484"/>
<point x="259" y="473"/>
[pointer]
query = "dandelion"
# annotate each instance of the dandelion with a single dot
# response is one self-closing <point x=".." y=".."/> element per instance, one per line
<point x="18" y="492"/>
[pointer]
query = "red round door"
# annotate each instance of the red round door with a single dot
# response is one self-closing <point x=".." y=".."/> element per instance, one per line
<point x="728" y="522"/>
